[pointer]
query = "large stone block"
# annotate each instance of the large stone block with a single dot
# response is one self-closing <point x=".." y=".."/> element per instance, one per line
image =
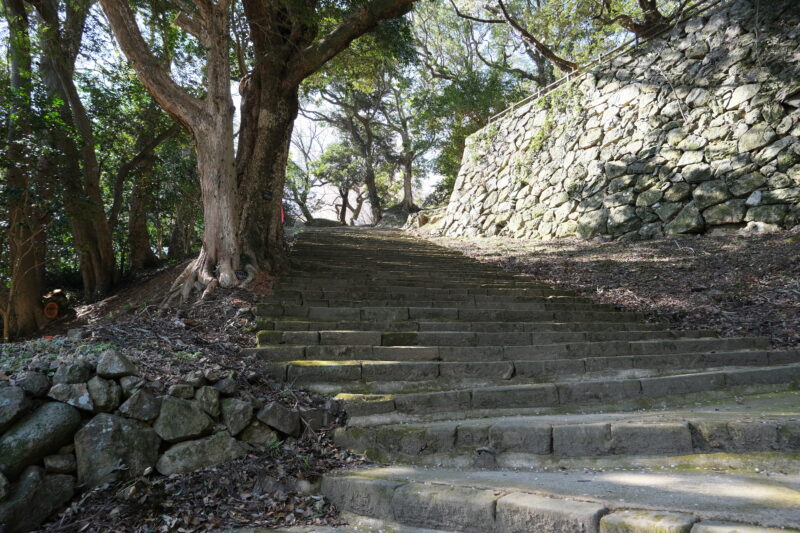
<point x="639" y="521"/>
<point x="523" y="513"/>
<point x="40" y="433"/>
<point x="111" y="448"/>
<point x="443" y="507"/>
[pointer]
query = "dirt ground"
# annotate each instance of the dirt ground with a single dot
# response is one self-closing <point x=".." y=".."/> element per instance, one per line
<point x="734" y="285"/>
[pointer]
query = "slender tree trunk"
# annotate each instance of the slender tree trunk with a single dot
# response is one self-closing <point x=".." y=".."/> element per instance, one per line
<point x="357" y="210"/>
<point x="21" y="303"/>
<point x="408" y="192"/>
<point x="80" y="174"/>
<point x="372" y="191"/>
<point x="141" y="251"/>
<point x="345" y="194"/>
<point x="182" y="236"/>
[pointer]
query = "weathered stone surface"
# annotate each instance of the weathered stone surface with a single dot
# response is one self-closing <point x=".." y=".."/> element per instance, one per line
<point x="34" y="499"/>
<point x="5" y="487"/>
<point x="193" y="455"/>
<point x="731" y="212"/>
<point x="520" y="512"/>
<point x="70" y="373"/>
<point x="111" y="448"/>
<point x="646" y="521"/>
<point x="181" y="420"/>
<point x="142" y="405"/>
<point x="112" y="364"/>
<point x="64" y="463"/>
<point x="756" y="137"/>
<point x="258" y="434"/>
<point x="443" y="507"/>
<point x="75" y="394"/>
<point x="13" y="404"/>
<point x="687" y="221"/>
<point x="227" y="386"/>
<point x="208" y="398"/>
<point x="236" y="414"/>
<point x="105" y="394"/>
<point x="181" y="390"/>
<point x="770" y="214"/>
<point x="41" y="433"/>
<point x="34" y="383"/>
<point x="281" y="418"/>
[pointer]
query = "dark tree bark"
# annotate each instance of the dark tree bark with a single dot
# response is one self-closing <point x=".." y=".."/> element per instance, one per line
<point x="79" y="176"/>
<point x="20" y="303"/>
<point x="139" y="246"/>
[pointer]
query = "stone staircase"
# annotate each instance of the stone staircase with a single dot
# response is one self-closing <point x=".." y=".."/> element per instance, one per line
<point x="506" y="405"/>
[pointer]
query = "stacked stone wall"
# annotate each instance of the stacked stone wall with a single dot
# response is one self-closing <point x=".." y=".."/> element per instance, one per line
<point x="695" y="131"/>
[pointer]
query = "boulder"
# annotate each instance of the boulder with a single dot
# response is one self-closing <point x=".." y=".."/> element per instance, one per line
<point x="687" y="221"/>
<point x="236" y="414"/>
<point x="181" y="420"/>
<point x="181" y="390"/>
<point x="731" y="212"/>
<point x="281" y="418"/>
<point x="756" y="137"/>
<point x="39" y="434"/>
<point x="64" y="463"/>
<point x="13" y="404"/>
<point x="5" y="487"/>
<point x="208" y="398"/>
<point x="68" y="373"/>
<point x="34" y="383"/>
<point x="227" y="386"/>
<point x="130" y="384"/>
<point x="142" y="405"/>
<point x="710" y="193"/>
<point x="258" y="434"/>
<point x="34" y="499"/>
<point x="193" y="455"/>
<point x="75" y="394"/>
<point x="105" y="394"/>
<point x="112" y="364"/>
<point x="111" y="448"/>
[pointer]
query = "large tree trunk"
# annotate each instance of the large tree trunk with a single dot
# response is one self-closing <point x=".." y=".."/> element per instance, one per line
<point x="267" y="120"/>
<point x="219" y="257"/>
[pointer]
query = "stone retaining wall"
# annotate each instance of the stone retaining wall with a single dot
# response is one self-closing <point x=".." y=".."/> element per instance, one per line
<point x="696" y="131"/>
<point x="93" y="420"/>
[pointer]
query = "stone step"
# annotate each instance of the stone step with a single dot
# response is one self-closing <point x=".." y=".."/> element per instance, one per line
<point x="292" y="282"/>
<point x="428" y="292"/>
<point x="466" y="303"/>
<point x="567" y="393"/>
<point x="461" y="338"/>
<point x="385" y="377"/>
<point x="639" y="501"/>
<point x="480" y="354"/>
<point x="563" y="440"/>
<point x="550" y="331"/>
<point x="404" y="313"/>
<point x="297" y="298"/>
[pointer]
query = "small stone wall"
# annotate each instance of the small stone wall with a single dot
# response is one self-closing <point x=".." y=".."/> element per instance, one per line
<point x="696" y="131"/>
<point x="93" y="420"/>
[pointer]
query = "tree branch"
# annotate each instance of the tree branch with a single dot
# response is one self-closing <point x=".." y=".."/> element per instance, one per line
<point x="361" y="21"/>
<point x="173" y="98"/>
<point x="563" y="64"/>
